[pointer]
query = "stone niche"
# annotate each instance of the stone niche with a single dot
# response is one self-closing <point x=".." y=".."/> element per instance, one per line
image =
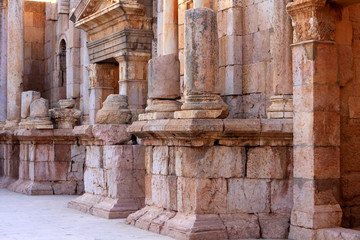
<point x="114" y="172"/>
<point x="216" y="179"/>
<point x="119" y="33"/>
<point x="51" y="162"/>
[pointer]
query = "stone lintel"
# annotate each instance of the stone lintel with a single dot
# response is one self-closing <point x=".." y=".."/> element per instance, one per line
<point x="47" y="135"/>
<point x="227" y="131"/>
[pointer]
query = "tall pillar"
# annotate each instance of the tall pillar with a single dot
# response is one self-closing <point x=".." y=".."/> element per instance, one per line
<point x="201" y="67"/>
<point x="316" y="119"/>
<point x="15" y="61"/>
<point x="281" y="102"/>
<point x="3" y="53"/>
<point x="170" y="27"/>
<point x="205" y="3"/>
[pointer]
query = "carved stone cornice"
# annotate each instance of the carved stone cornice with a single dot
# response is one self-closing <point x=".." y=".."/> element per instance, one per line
<point x="312" y="20"/>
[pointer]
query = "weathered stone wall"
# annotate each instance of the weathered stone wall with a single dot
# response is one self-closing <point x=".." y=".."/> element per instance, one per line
<point x="348" y="42"/>
<point x="250" y="187"/>
<point x="34" y="39"/>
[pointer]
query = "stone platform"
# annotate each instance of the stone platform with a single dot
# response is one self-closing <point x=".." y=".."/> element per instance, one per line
<point x="216" y="179"/>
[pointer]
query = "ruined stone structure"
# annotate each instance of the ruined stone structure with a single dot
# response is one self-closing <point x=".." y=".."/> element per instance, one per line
<point x="196" y="119"/>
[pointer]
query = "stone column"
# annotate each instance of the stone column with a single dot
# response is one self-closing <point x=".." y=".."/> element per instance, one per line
<point x="201" y="67"/>
<point x="281" y="101"/>
<point x="101" y="80"/>
<point x="205" y="3"/>
<point x="15" y="61"/>
<point x="3" y="71"/>
<point x="316" y="119"/>
<point x="170" y="27"/>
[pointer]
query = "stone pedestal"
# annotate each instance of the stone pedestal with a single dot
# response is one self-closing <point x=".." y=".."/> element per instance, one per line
<point x="201" y="67"/>
<point x="50" y="163"/>
<point x="114" y="172"/>
<point x="197" y="185"/>
<point x="316" y="120"/>
<point x="114" y="111"/>
<point x="9" y="158"/>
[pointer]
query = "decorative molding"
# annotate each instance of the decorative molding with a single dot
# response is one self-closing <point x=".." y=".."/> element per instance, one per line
<point x="312" y="20"/>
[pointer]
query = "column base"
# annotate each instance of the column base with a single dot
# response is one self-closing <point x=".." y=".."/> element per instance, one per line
<point x="179" y="225"/>
<point x="5" y="181"/>
<point x="2" y="124"/>
<point x="203" y="106"/>
<point x="281" y="107"/>
<point x="105" y="207"/>
<point x="36" y="123"/>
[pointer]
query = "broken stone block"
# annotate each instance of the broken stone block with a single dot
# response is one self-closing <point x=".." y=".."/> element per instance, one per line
<point x="114" y="110"/>
<point x="26" y="99"/>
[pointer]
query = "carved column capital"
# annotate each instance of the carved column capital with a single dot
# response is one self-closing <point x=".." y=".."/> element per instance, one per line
<point x="312" y="20"/>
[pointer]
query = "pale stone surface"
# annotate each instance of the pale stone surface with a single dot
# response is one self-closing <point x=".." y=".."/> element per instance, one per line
<point x="211" y="162"/>
<point x="69" y="224"/>
<point x="164" y="77"/>
<point x="248" y="196"/>
<point x="26" y="99"/>
<point x="274" y="226"/>
<point x="114" y="110"/>
<point x="111" y="134"/>
<point x="241" y="226"/>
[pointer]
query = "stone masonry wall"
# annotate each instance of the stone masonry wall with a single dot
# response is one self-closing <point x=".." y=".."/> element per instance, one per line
<point x="250" y="188"/>
<point x="34" y="38"/>
<point x="348" y="42"/>
<point x="257" y="57"/>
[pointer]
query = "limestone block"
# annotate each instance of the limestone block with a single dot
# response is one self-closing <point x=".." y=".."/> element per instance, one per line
<point x="49" y="171"/>
<point x="118" y="157"/>
<point x="274" y="225"/>
<point x="41" y="152"/>
<point x="62" y="152"/>
<point x="94" y="180"/>
<point x="94" y="156"/>
<point x="267" y="162"/>
<point x="191" y="226"/>
<point x="164" y="77"/>
<point x="281" y="196"/>
<point x="114" y="110"/>
<point x="78" y="153"/>
<point x="201" y="196"/>
<point x="248" y="196"/>
<point x="163" y="191"/>
<point x="39" y="108"/>
<point x="66" y="103"/>
<point x="65" y="188"/>
<point x="111" y="134"/>
<point x="120" y="182"/>
<point x="139" y="157"/>
<point x="160" y="160"/>
<point x="241" y="225"/>
<point x="211" y="162"/>
<point x="26" y="99"/>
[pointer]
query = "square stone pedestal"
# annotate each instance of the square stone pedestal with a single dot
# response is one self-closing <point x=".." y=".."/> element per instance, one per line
<point x="114" y="172"/>
<point x="51" y="162"/>
<point x="216" y="179"/>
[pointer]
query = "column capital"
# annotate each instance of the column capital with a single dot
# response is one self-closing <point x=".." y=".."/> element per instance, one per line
<point x="312" y="20"/>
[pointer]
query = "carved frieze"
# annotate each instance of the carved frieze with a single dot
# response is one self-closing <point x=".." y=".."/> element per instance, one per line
<point x="312" y="20"/>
